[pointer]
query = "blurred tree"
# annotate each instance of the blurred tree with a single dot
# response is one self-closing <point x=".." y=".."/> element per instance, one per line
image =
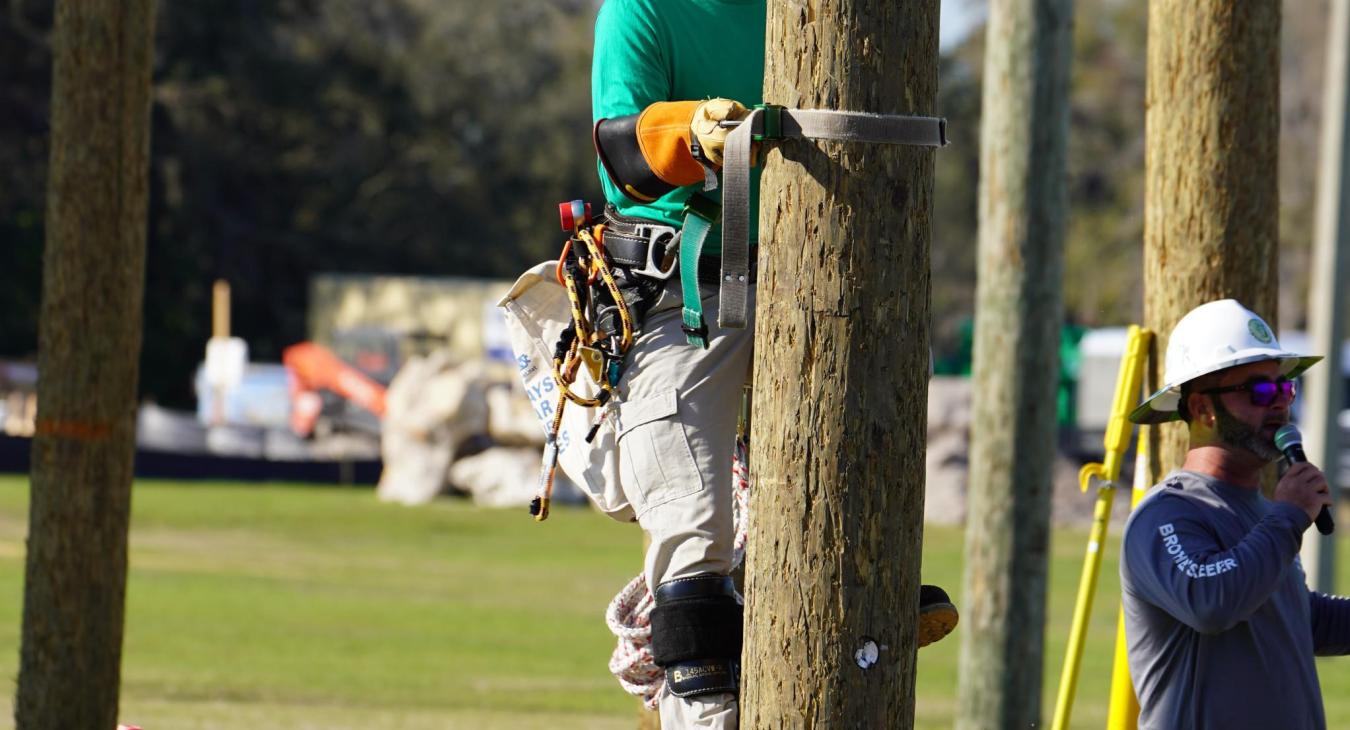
<point x="393" y="136"/>
<point x="1303" y="34"/>
<point x="25" y="88"/>
<point x="1105" y="175"/>
<point x="294" y="137"/>
<point x="955" y="188"/>
<point x="93" y="269"/>
<point x="1103" y="256"/>
<point x="1106" y="164"/>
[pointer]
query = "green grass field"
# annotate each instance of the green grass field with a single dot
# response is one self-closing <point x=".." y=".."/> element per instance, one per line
<point x="291" y="607"/>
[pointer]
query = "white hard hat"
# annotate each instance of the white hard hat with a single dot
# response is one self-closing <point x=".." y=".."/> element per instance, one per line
<point x="1212" y="337"/>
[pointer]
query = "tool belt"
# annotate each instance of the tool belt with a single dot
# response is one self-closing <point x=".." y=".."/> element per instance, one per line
<point x="614" y="269"/>
<point x="650" y="248"/>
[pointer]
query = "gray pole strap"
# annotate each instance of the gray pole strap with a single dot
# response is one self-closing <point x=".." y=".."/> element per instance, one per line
<point x="864" y="127"/>
<point x="735" y="280"/>
<point x="797" y="124"/>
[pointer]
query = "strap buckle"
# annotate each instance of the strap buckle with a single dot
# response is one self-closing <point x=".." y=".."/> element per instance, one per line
<point x="666" y="239"/>
<point x="694" y="327"/>
<point x="772" y="123"/>
<point x="700" y="332"/>
<point x="704" y="207"/>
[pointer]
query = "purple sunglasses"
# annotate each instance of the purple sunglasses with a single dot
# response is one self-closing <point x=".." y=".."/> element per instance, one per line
<point x="1262" y="391"/>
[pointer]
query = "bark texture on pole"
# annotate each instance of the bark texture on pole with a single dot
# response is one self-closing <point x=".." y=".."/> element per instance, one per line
<point x="89" y="345"/>
<point x="1211" y="208"/>
<point x="841" y="371"/>
<point x="1018" y="314"/>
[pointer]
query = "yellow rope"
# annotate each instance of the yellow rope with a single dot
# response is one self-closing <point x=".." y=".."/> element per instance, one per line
<point x="597" y="256"/>
<point x="565" y="368"/>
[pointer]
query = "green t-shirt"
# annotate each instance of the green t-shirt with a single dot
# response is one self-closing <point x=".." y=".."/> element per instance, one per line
<point x="676" y="50"/>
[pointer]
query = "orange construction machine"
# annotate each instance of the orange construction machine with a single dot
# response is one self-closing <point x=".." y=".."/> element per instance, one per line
<point x="322" y="385"/>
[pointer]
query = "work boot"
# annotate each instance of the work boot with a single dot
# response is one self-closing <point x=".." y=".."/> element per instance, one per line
<point x="937" y="615"/>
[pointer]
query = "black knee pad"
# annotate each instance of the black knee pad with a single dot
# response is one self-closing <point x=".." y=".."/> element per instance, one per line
<point x="696" y="634"/>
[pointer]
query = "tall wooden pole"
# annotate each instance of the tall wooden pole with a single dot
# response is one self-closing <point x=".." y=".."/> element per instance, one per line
<point x="841" y="376"/>
<point x="1211" y="208"/>
<point x="220" y="309"/>
<point x="220" y="333"/>
<point x="1018" y="315"/>
<point x="89" y="345"/>
<point x="1325" y="386"/>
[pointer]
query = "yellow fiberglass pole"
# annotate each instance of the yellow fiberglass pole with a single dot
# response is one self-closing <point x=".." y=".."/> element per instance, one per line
<point x="1123" y="711"/>
<point x="1116" y="442"/>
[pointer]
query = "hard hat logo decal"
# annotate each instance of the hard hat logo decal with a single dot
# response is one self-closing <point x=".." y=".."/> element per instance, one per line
<point x="1260" y="331"/>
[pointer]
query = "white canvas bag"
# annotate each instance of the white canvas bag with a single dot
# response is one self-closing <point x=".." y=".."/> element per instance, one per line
<point x="536" y="311"/>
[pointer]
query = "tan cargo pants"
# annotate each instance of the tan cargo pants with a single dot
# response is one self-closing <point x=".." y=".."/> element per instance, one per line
<point x="664" y="454"/>
<point x="676" y="438"/>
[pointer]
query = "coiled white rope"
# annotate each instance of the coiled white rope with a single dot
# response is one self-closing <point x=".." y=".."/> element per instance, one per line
<point x="629" y="614"/>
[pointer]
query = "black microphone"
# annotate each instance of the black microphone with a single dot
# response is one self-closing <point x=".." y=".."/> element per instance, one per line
<point x="1289" y="441"/>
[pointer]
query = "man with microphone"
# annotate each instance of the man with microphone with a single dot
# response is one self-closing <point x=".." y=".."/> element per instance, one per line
<point x="1220" y="624"/>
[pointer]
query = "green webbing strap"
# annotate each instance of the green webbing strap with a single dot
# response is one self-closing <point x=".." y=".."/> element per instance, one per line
<point x="700" y="213"/>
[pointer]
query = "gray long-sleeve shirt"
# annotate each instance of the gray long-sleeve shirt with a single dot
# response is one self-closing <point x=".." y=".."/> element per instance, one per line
<point x="1220" y="624"/>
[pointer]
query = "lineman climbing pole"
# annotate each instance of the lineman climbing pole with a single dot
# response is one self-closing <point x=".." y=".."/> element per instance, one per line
<point x="841" y="377"/>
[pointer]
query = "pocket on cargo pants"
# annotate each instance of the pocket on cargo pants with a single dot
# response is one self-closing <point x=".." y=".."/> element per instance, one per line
<point x="655" y="462"/>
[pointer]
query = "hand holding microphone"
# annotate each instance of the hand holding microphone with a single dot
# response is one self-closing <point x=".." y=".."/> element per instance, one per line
<point x="1290" y="442"/>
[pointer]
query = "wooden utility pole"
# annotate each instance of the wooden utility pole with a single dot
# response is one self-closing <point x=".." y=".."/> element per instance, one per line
<point x="1018" y="315"/>
<point x="1211" y="208"/>
<point x="88" y="349"/>
<point x="841" y="376"/>
<point x="1324" y="385"/>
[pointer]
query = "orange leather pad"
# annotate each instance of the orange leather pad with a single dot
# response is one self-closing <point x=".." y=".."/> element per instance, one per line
<point x="663" y="136"/>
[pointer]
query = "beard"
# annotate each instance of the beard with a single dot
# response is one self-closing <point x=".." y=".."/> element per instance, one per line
<point x="1239" y="435"/>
